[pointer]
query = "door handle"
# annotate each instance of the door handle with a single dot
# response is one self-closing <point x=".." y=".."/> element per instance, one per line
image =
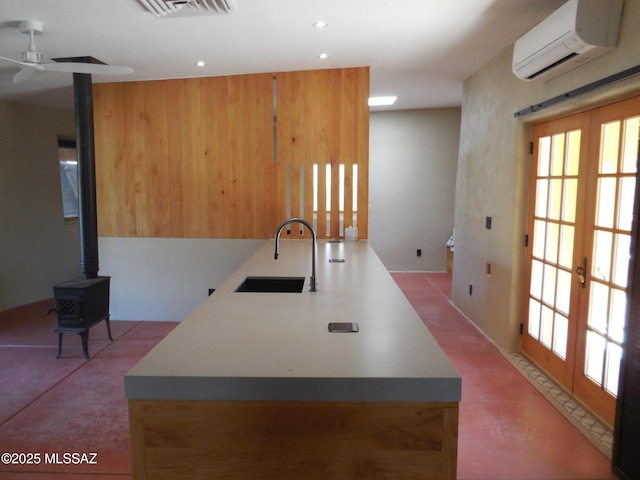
<point x="581" y="270"/>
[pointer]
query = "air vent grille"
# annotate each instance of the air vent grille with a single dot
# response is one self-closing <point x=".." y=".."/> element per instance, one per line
<point x="188" y="8"/>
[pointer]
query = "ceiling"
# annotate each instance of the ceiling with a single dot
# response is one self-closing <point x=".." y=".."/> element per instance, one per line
<point x="419" y="50"/>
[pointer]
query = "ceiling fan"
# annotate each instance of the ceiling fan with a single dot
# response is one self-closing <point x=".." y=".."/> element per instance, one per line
<point x="32" y="59"/>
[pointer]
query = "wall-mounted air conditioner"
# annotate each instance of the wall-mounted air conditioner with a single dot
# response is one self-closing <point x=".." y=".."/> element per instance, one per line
<point x="573" y="35"/>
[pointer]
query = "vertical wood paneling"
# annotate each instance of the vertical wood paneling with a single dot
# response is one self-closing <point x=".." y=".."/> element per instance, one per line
<point x="186" y="158"/>
<point x="117" y="146"/>
<point x="105" y="128"/>
<point x="223" y="195"/>
<point x="194" y="157"/>
<point x="281" y="192"/>
<point x="323" y="118"/>
<point x="136" y="432"/>
<point x="351" y="121"/>
<point x="362" y="152"/>
<point x="450" y="443"/>
<point x="153" y="218"/>
<point x="307" y="180"/>
<point x="348" y="195"/>
<point x="179" y="147"/>
<point x="322" y="200"/>
<point x="295" y="196"/>
<point x="186" y="149"/>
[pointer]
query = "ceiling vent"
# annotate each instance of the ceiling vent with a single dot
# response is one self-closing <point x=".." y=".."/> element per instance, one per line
<point x="188" y="8"/>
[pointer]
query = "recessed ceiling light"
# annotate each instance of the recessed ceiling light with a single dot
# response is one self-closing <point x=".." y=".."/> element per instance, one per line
<point x="381" y="101"/>
<point x="201" y="63"/>
<point x="323" y="56"/>
<point x="320" y="24"/>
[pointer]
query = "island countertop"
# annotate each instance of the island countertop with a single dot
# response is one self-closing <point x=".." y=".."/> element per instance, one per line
<point x="277" y="346"/>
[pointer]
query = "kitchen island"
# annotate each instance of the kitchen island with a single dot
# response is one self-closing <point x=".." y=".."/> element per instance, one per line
<point x="253" y="385"/>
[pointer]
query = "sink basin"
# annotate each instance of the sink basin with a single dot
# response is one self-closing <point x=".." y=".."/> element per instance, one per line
<point x="271" y="284"/>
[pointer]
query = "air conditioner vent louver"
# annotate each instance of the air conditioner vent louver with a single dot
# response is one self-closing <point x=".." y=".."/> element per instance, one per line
<point x="188" y="8"/>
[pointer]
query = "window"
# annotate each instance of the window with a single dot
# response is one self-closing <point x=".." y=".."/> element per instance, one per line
<point x="68" y="178"/>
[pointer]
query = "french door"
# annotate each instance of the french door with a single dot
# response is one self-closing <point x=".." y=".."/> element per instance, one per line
<point x="580" y="216"/>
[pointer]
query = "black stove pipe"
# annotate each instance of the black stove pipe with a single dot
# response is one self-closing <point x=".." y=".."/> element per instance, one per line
<point x="88" y="218"/>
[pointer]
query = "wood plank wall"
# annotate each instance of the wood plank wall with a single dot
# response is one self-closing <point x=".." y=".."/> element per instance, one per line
<point x="323" y="118"/>
<point x="194" y="158"/>
<point x="185" y="158"/>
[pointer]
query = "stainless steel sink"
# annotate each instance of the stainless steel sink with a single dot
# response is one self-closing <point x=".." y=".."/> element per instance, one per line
<point x="271" y="284"/>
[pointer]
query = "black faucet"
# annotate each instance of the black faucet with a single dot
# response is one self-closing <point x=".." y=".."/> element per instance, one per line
<point x="314" y="241"/>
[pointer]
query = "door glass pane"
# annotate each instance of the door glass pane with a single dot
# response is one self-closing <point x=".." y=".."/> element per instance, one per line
<point x="536" y="279"/>
<point x="602" y="255"/>
<point x="549" y="285"/>
<point x="546" y="326"/>
<point x="630" y="145"/>
<point x="573" y="153"/>
<point x="569" y="200"/>
<point x="618" y="315"/>
<point x="551" y="252"/>
<point x="609" y="153"/>
<point x="598" y="307"/>
<point x="555" y="199"/>
<point x="565" y="255"/>
<point x="614" y="354"/>
<point x="534" y="318"/>
<point x="595" y="357"/>
<point x="542" y="188"/>
<point x="606" y="202"/>
<point x="557" y="158"/>
<point x="621" y="262"/>
<point x="544" y="154"/>
<point x="625" y="205"/>
<point x="538" y="238"/>
<point x="563" y="296"/>
<point x="561" y="325"/>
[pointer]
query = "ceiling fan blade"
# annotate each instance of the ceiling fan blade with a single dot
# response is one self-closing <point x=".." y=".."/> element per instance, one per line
<point x="23" y="74"/>
<point x="32" y="66"/>
<point x="90" y="68"/>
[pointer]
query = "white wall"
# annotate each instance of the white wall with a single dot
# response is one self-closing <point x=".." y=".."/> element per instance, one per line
<point x="493" y="175"/>
<point x="37" y="247"/>
<point x="167" y="278"/>
<point x="413" y="156"/>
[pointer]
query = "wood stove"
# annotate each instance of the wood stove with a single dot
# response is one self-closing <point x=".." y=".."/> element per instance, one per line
<point x="80" y="304"/>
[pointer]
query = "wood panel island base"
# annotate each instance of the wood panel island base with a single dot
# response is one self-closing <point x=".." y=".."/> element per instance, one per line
<point x="293" y="440"/>
<point x="254" y="386"/>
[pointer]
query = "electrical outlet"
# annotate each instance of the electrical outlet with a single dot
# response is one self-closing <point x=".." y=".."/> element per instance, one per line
<point x="488" y="269"/>
<point x="419" y="252"/>
<point x="470" y="290"/>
